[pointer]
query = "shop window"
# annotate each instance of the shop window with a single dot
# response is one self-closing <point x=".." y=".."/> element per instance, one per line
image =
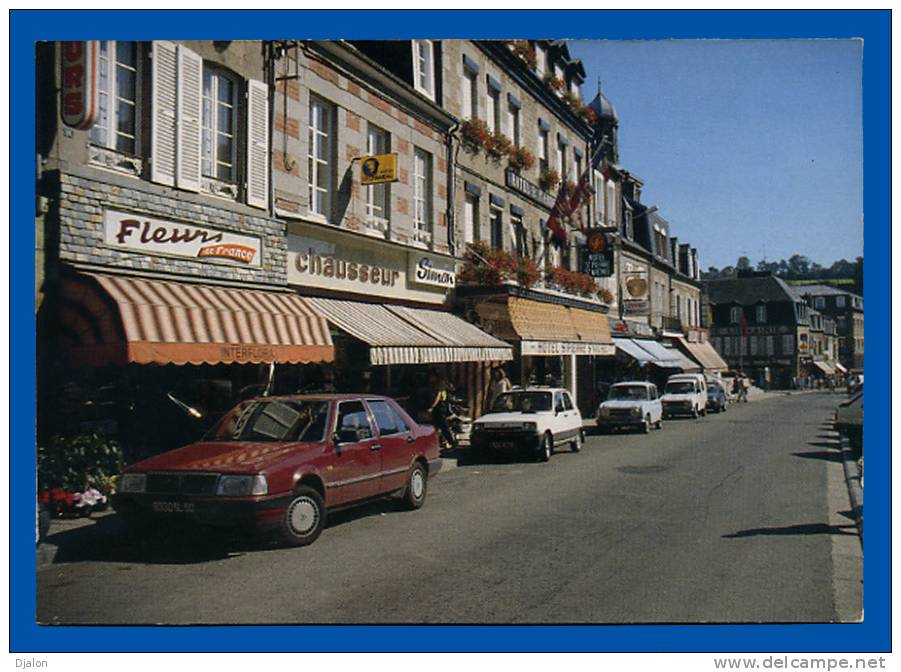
<point x="320" y="157"/>
<point x="377" y="195"/>
<point x="470" y="218"/>
<point x="422" y="196"/>
<point x="424" y="66"/>
<point x="119" y="84"/>
<point x="219" y="126"/>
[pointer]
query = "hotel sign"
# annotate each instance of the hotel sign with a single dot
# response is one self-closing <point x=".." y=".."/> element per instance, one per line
<point x="150" y="236"/>
<point x="553" y="348"/>
<point x="518" y="183"/>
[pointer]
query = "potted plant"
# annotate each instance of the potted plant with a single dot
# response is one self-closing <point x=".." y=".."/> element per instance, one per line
<point x="554" y="82"/>
<point x="475" y="134"/>
<point x="572" y="100"/>
<point x="605" y="295"/>
<point x="498" y="145"/>
<point x="521" y="159"/>
<point x="548" y="179"/>
<point x="588" y="115"/>
<point x="527" y="273"/>
<point x="524" y="51"/>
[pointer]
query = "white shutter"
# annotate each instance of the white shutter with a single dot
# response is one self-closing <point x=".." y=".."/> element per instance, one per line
<point x="190" y="102"/>
<point x="163" y="102"/>
<point x="257" y="144"/>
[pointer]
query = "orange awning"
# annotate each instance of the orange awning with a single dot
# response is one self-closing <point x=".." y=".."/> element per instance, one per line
<point x="109" y="319"/>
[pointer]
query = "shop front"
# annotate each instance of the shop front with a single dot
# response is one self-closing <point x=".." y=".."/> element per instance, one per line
<point x="555" y="343"/>
<point x="386" y="305"/>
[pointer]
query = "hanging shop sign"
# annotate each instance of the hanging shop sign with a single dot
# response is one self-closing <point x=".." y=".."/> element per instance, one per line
<point x="428" y="270"/>
<point x="518" y="183"/>
<point x="555" y="348"/>
<point x="598" y="258"/>
<point x="378" y="169"/>
<point x="635" y="308"/>
<point x="80" y="102"/>
<point x="150" y="236"/>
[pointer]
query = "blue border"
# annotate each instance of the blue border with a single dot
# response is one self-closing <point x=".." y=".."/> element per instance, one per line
<point x="874" y="27"/>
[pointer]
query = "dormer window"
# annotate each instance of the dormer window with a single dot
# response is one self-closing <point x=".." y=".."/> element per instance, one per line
<point x="424" y="67"/>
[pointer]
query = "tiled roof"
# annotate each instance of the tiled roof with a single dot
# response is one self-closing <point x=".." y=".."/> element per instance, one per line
<point x="749" y="291"/>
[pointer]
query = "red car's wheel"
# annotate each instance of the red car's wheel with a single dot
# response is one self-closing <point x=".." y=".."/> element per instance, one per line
<point x="304" y="518"/>
<point x="417" y="486"/>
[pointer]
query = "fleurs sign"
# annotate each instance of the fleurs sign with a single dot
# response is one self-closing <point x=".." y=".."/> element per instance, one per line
<point x="151" y="236"/>
<point x="80" y="93"/>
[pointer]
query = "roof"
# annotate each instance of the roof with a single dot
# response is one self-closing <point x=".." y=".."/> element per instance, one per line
<point x="749" y="291"/>
<point x="821" y="290"/>
<point x="603" y="107"/>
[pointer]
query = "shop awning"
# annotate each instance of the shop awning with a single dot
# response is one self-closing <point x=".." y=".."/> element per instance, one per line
<point x="839" y="368"/>
<point x="687" y="364"/>
<point x="109" y="319"/>
<point x="397" y="335"/>
<point x="553" y="329"/>
<point x="634" y="350"/>
<point x="705" y="354"/>
<point x="661" y="356"/>
<point x="825" y="367"/>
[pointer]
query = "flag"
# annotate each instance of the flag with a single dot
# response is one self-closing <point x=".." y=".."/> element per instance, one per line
<point x="568" y="201"/>
<point x="559" y="212"/>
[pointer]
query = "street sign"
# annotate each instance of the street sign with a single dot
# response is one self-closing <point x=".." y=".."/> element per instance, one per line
<point x="378" y="169"/>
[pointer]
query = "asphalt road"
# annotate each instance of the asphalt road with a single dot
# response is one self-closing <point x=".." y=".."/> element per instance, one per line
<point x="725" y="519"/>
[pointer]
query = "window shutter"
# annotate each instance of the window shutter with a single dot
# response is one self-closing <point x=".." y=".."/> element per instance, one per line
<point x="190" y="102"/>
<point x="163" y="111"/>
<point x="257" y="144"/>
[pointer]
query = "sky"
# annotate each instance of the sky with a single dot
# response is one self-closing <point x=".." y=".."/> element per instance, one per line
<point x="747" y="147"/>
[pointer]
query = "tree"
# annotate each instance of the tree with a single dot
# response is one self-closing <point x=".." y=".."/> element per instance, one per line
<point x="743" y="264"/>
<point x="798" y="264"/>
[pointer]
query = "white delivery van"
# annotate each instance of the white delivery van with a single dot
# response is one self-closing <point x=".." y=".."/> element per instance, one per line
<point x="685" y="394"/>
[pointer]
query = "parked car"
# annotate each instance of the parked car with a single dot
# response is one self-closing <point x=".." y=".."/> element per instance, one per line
<point x="535" y="420"/>
<point x="685" y="394"/>
<point x="634" y="404"/>
<point x="716" y="397"/>
<point x="849" y="420"/>
<point x="280" y="464"/>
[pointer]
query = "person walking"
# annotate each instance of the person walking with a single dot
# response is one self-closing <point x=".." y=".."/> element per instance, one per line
<point x="743" y="385"/>
<point x="440" y="410"/>
<point x="498" y="386"/>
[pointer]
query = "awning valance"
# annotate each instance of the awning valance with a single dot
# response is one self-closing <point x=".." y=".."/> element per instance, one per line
<point x="110" y="319"/>
<point x="705" y="354"/>
<point x="635" y="351"/>
<point x="401" y="335"/>
<point x="663" y="357"/>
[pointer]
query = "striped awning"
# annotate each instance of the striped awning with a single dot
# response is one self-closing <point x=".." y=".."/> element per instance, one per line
<point x="635" y="351"/>
<point x="662" y="356"/>
<point x="705" y="354"/>
<point x="401" y="335"/>
<point x="110" y="319"/>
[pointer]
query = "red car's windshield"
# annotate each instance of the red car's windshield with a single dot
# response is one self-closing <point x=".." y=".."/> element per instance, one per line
<point x="272" y="420"/>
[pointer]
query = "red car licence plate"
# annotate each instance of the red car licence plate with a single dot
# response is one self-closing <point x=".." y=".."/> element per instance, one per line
<point x="173" y="507"/>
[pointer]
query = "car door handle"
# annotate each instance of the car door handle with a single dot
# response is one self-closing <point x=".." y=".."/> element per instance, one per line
<point x="411" y="438"/>
<point x="375" y="446"/>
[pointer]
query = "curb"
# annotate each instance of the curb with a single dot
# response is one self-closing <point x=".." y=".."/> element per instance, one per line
<point x="852" y="479"/>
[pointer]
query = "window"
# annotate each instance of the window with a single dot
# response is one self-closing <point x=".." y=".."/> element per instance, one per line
<point x="422" y="196"/>
<point x="560" y="75"/>
<point x="513" y="123"/>
<point x="761" y="314"/>
<point x="470" y="218"/>
<point x="519" y="236"/>
<point x="561" y="159"/>
<point x="612" y="211"/>
<point x="735" y="315"/>
<point x="727" y="345"/>
<point x="470" y="94"/>
<point x="386" y="418"/>
<point x="819" y="302"/>
<point x="567" y="402"/>
<point x="599" y="200"/>
<point x="377" y="195"/>
<point x="543" y="149"/>
<point x="627" y="221"/>
<point x="788" y="344"/>
<point x="272" y="420"/>
<point x="320" y="155"/>
<point x="119" y="85"/>
<point x="540" y="60"/>
<point x="839" y="301"/>
<point x="577" y="164"/>
<point x="497" y="228"/>
<point x="753" y="340"/>
<point x="424" y="67"/>
<point x="493" y="109"/>
<point x="352" y="417"/>
<point x="219" y="123"/>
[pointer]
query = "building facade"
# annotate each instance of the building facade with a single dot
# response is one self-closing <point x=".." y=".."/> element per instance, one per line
<point x="846" y="309"/>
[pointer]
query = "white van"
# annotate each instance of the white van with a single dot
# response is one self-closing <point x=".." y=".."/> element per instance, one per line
<point x="685" y="394"/>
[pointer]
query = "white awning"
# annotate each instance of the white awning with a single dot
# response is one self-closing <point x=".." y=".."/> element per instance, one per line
<point x="661" y="356"/>
<point x="400" y="335"/>
<point x="634" y="350"/>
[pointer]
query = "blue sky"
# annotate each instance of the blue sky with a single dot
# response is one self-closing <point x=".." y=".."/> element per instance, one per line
<point x="747" y="147"/>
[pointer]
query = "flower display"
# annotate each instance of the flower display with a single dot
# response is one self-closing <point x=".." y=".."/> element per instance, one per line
<point x="605" y="295"/>
<point x="554" y="82"/>
<point x="521" y="159"/>
<point x="475" y="133"/>
<point x="549" y="179"/>
<point x="498" y="145"/>
<point x="490" y="267"/>
<point x="524" y="51"/>
<point x="588" y="115"/>
<point x="571" y="281"/>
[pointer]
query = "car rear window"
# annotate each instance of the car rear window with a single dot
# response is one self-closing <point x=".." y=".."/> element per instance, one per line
<point x="634" y="392"/>
<point x="272" y="420"/>
<point x="522" y="402"/>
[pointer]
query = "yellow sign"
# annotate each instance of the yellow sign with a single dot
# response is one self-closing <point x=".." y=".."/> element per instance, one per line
<point x="378" y="169"/>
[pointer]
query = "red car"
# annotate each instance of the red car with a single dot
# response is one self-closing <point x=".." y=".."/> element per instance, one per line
<point x="280" y="463"/>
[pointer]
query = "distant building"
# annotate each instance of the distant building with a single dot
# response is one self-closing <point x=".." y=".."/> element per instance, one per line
<point x="760" y="327"/>
<point x="846" y="309"/>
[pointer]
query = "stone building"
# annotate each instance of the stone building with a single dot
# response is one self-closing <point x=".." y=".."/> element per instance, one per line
<point x="846" y="309"/>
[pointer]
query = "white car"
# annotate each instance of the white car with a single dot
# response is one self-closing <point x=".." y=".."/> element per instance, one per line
<point x="685" y="394"/>
<point x="535" y="419"/>
<point x="631" y="404"/>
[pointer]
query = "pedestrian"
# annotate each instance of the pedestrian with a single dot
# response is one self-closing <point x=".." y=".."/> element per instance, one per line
<point x="440" y="409"/>
<point x="736" y="387"/>
<point x="498" y="386"/>
<point x="744" y="384"/>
